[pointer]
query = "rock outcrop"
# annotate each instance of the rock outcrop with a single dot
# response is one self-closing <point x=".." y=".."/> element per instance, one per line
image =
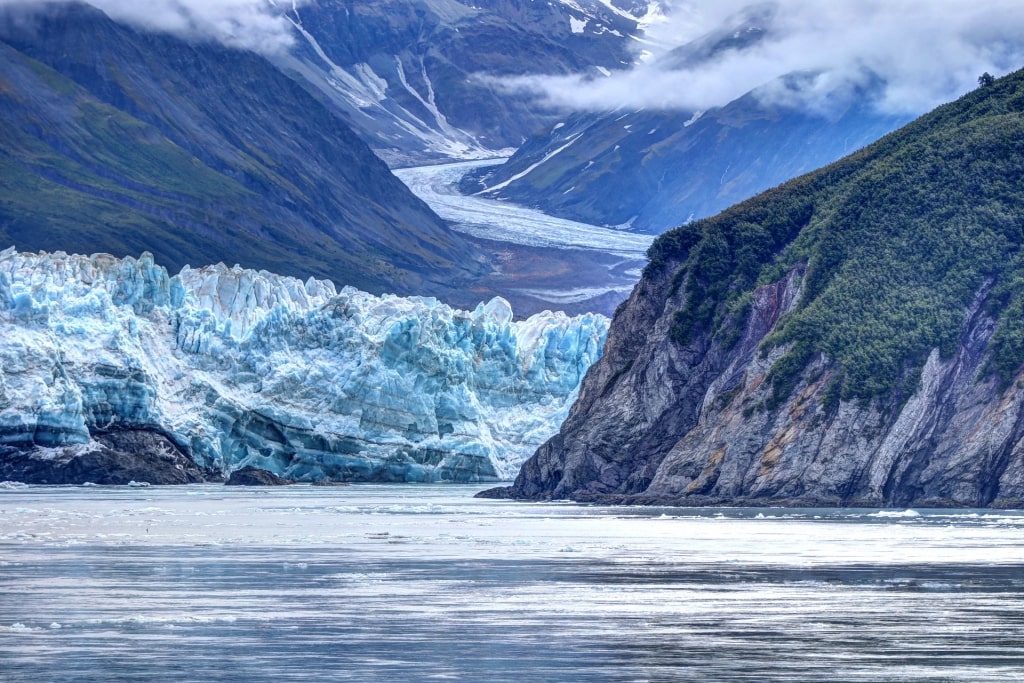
<point x="657" y="423"/>
<point x="254" y="476"/>
<point x="867" y="355"/>
<point x="116" y="457"/>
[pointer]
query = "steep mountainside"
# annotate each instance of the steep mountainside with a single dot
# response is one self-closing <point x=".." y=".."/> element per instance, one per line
<point x="854" y="337"/>
<point x="417" y="77"/>
<point x="654" y="170"/>
<point x="122" y="141"/>
<point x="113" y="371"/>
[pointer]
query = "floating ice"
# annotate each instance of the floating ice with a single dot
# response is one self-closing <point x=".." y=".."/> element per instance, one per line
<point x="895" y="513"/>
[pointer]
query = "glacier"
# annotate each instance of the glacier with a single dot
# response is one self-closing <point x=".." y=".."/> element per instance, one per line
<point x="236" y="367"/>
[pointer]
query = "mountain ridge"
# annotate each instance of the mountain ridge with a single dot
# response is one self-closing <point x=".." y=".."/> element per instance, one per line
<point x="199" y="153"/>
<point x="421" y="79"/>
<point x="650" y="171"/>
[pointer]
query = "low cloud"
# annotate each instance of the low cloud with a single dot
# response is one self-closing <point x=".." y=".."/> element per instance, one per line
<point x="910" y="54"/>
<point x="257" y="25"/>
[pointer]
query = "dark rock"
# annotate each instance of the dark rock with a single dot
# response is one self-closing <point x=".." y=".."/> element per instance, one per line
<point x="497" y="493"/>
<point x="254" y="476"/>
<point x="120" y="457"/>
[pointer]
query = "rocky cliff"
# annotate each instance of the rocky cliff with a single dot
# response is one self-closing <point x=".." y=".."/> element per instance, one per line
<point x="112" y="370"/>
<point x="851" y="338"/>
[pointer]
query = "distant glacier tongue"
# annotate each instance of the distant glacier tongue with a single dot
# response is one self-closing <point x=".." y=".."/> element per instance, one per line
<point x="239" y="367"/>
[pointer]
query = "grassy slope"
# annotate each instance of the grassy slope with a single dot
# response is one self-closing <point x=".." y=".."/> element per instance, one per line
<point x="120" y="141"/>
<point x="896" y="241"/>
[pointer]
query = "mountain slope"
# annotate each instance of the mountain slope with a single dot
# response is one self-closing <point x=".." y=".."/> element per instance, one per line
<point x="853" y="337"/>
<point x="653" y="170"/>
<point x="124" y="141"/>
<point x="417" y="77"/>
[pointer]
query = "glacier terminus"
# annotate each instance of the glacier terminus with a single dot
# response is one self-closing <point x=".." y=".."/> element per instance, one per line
<point x="236" y="367"/>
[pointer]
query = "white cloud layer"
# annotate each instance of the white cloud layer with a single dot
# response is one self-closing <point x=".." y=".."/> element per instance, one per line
<point x="246" y="24"/>
<point x="912" y="54"/>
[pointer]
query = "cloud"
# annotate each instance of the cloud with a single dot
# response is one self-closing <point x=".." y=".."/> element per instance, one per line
<point x="911" y="54"/>
<point x="256" y="25"/>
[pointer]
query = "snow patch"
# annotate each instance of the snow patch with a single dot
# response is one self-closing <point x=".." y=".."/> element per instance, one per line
<point x="693" y="119"/>
<point x="547" y="157"/>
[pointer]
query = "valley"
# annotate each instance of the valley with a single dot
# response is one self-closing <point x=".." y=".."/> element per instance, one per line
<point x="616" y="341"/>
<point x="604" y="263"/>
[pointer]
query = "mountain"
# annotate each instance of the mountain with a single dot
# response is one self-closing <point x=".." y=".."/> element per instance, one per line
<point x="419" y="78"/>
<point x="854" y="337"/>
<point x="652" y="169"/>
<point x="124" y="141"/>
<point x="113" y="371"/>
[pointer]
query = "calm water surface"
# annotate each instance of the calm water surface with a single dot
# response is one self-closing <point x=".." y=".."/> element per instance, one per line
<point x="424" y="583"/>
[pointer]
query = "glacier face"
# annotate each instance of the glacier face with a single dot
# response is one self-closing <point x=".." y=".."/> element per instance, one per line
<point x="238" y="367"/>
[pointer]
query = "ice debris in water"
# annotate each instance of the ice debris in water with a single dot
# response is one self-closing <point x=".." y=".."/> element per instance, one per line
<point x="241" y="367"/>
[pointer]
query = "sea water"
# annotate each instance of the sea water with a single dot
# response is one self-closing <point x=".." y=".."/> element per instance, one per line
<point x="425" y="583"/>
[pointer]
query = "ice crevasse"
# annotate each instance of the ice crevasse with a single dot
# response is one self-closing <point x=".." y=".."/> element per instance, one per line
<point x="239" y="367"/>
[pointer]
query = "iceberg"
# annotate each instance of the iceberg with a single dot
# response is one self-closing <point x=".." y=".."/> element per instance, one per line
<point x="237" y="367"/>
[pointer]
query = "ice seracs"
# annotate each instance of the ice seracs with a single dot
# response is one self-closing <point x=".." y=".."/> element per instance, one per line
<point x="239" y="367"/>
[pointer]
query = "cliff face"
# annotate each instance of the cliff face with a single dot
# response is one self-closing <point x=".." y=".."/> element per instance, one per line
<point x="660" y="423"/>
<point x="856" y="367"/>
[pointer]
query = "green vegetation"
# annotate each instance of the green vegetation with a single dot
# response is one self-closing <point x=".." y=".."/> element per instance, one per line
<point x="895" y="243"/>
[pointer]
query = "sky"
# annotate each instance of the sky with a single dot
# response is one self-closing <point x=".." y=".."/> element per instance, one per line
<point x="245" y="24"/>
<point x="915" y="54"/>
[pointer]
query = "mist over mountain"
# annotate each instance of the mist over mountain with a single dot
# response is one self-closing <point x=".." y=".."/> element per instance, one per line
<point x="421" y="79"/>
<point x="732" y="98"/>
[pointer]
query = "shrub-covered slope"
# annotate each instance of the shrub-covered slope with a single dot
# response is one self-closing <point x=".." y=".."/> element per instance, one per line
<point x="854" y="336"/>
<point x="117" y="140"/>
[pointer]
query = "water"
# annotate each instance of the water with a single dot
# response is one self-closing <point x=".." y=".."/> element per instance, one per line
<point x="424" y="583"/>
<point x="496" y="220"/>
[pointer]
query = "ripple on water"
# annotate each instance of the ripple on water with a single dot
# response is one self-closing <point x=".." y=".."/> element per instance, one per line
<point x="375" y="583"/>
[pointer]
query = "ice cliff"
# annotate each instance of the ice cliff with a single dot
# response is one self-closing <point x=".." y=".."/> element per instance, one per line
<point x="235" y="367"/>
